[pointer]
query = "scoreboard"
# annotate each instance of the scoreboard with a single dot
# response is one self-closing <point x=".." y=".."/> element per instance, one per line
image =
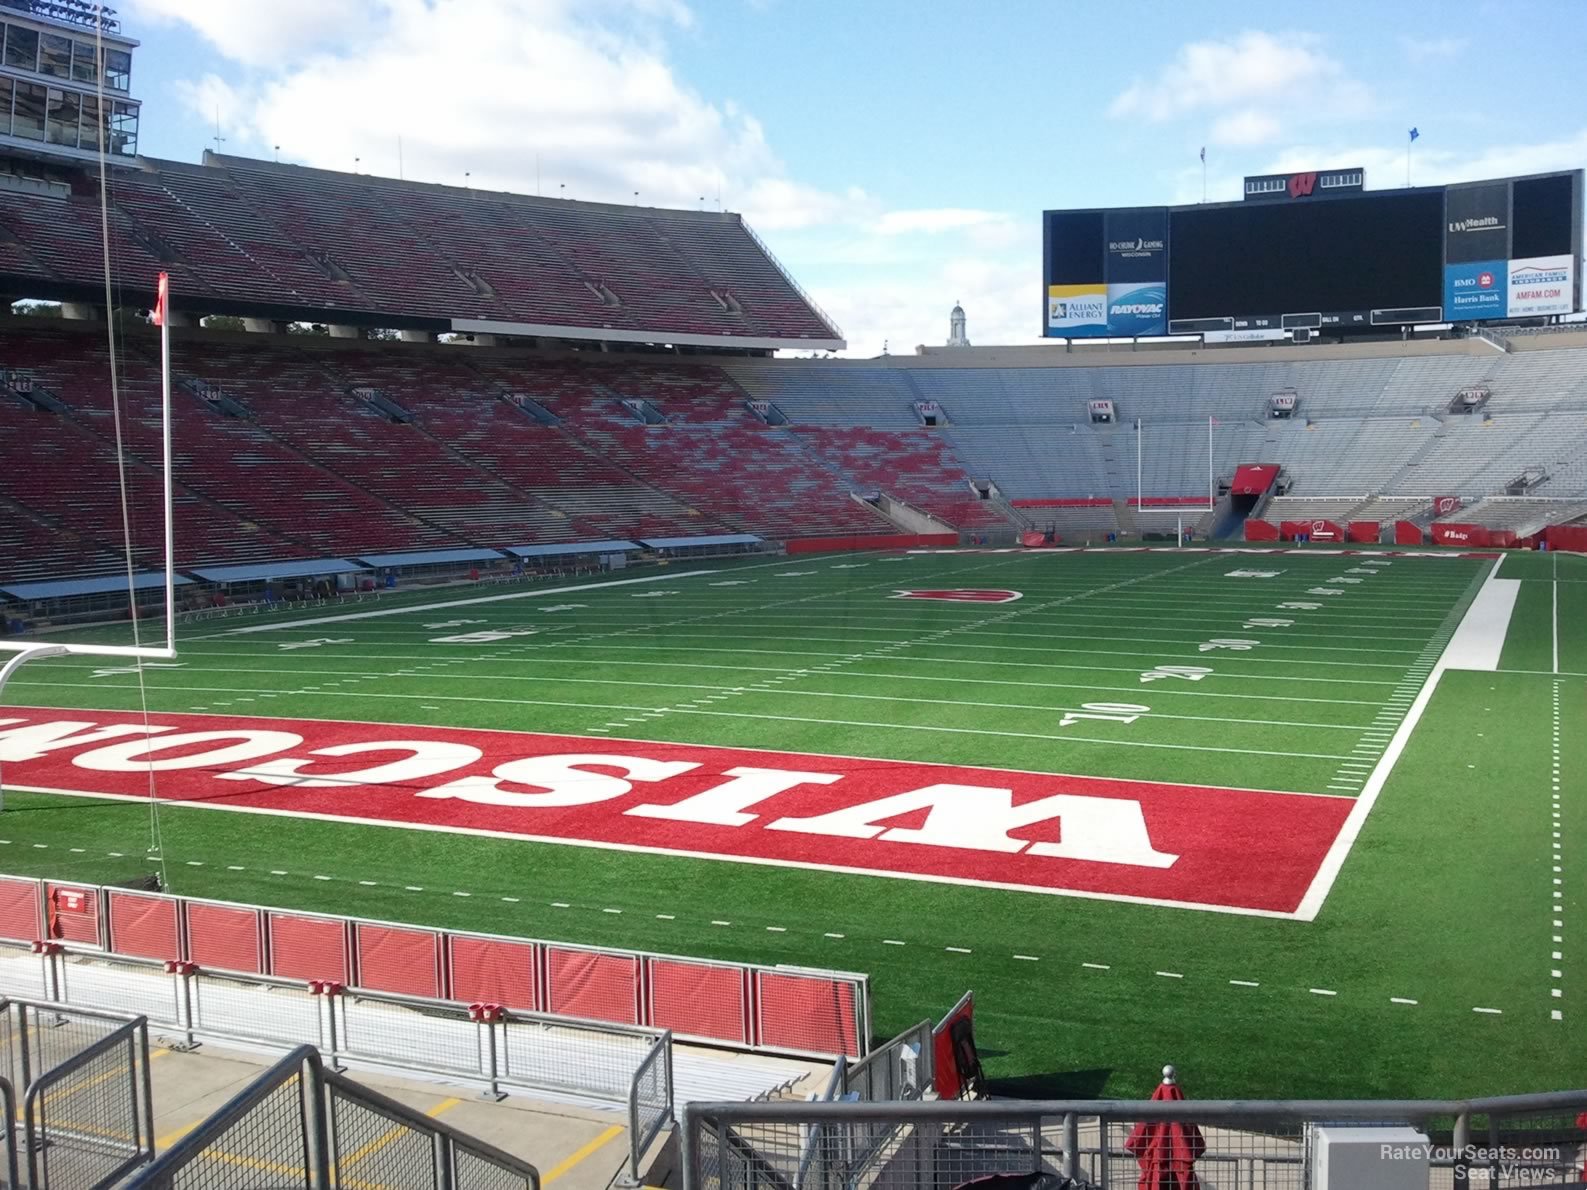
<point x="1316" y="251"/>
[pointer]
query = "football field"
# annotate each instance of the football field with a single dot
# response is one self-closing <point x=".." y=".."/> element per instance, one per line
<point x="1300" y="822"/>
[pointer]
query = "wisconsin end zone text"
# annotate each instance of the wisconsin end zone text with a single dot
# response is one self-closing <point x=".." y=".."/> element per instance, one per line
<point x="1234" y="850"/>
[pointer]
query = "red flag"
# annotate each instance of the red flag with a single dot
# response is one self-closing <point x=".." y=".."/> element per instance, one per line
<point x="161" y="300"/>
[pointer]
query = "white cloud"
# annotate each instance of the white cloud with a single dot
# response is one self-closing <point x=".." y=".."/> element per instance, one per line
<point x="933" y="220"/>
<point x="1253" y="85"/>
<point x="1209" y="74"/>
<point x="1433" y="164"/>
<point x="531" y="95"/>
<point x="262" y="34"/>
<point x="1245" y="128"/>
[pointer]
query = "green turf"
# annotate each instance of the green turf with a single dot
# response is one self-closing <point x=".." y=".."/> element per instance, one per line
<point x="1442" y="901"/>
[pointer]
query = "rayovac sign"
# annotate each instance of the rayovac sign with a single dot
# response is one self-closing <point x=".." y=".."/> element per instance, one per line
<point x="1137" y="310"/>
<point x="1477" y="289"/>
<point x="1541" y="285"/>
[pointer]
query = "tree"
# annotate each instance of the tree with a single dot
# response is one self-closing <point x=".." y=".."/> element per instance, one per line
<point x="224" y="322"/>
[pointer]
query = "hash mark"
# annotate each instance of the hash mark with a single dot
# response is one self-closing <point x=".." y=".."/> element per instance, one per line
<point x="1169" y="974"/>
<point x="957" y="949"/>
<point x="1245" y="983"/>
<point x="833" y="935"/>
<point x="1028" y="958"/>
<point x="1490" y="1011"/>
<point x="1101" y="967"/>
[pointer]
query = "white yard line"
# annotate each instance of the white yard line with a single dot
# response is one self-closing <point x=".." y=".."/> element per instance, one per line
<point x="417" y="608"/>
<point x="1322" y="883"/>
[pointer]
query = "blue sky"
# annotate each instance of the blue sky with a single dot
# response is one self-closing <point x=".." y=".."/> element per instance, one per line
<point x="896" y="156"/>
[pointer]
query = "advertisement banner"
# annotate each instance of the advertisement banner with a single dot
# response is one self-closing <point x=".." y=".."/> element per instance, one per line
<point x="1077" y="309"/>
<point x="1475" y="290"/>
<point x="1137" y="246"/>
<point x="1137" y="310"/>
<point x="1477" y="223"/>
<point x="1540" y="285"/>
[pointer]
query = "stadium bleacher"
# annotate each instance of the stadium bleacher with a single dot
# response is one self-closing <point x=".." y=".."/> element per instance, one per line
<point x="290" y="238"/>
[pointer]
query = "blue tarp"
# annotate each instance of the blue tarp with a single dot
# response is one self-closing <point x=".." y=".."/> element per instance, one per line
<point x="430" y="557"/>
<point x="65" y="588"/>
<point x="572" y="547"/>
<point x="678" y="543"/>
<point x="263" y="572"/>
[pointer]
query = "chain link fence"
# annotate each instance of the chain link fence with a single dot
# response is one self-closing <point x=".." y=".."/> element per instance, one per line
<point x="88" y="1119"/>
<point x="303" y="1126"/>
<point x="649" y="1102"/>
<point x="1521" y="1141"/>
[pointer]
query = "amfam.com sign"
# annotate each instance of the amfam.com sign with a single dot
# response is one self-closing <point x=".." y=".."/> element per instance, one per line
<point x="1541" y="285"/>
<point x="1236" y="850"/>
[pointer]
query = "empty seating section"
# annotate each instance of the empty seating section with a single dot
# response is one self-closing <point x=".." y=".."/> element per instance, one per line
<point x="1339" y="509"/>
<point x="64" y="466"/>
<point x="917" y="467"/>
<point x="753" y="478"/>
<point x="1519" y="514"/>
<point x="880" y="398"/>
<point x="1364" y="426"/>
<point x="285" y="237"/>
<point x="648" y="445"/>
<point x="300" y="399"/>
<point x="586" y="496"/>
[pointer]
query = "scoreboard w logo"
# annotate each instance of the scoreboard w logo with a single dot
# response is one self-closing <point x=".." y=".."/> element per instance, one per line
<point x="963" y="595"/>
<point x="1301" y="185"/>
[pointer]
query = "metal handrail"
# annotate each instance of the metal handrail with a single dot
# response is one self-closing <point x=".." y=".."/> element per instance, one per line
<point x="134" y="1034"/>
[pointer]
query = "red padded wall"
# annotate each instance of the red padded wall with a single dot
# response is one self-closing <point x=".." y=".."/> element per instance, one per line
<point x="698" y="1000"/>
<point x="391" y="959"/>
<point x="144" y="926"/>
<point x="602" y="987"/>
<point x="224" y="937"/>
<point x="489" y="971"/>
<point x="308" y="947"/>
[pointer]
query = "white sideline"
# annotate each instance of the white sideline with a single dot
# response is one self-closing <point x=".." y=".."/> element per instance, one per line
<point x="1322" y="883"/>
<point x="1479" y="640"/>
<point x="410" y="609"/>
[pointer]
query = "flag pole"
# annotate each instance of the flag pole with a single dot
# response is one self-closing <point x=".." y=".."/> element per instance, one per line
<point x="1140" y="499"/>
<point x="164" y="306"/>
<point x="1211" y="484"/>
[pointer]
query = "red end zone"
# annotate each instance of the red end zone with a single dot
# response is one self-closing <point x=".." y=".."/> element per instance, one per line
<point x="1236" y="850"/>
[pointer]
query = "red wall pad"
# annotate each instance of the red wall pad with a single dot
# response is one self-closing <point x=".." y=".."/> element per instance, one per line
<point x="1259" y="530"/>
<point x="20" y="900"/>
<point x="699" y="1000"/>
<point x="72" y="913"/>
<point x="1449" y="533"/>
<point x="1407" y="533"/>
<point x="875" y="541"/>
<point x="488" y="971"/>
<point x="144" y="926"/>
<point x="803" y="1012"/>
<point x="308" y="947"/>
<point x="598" y="987"/>
<point x="1364" y="532"/>
<point x="398" y="960"/>
<point x="224" y="937"/>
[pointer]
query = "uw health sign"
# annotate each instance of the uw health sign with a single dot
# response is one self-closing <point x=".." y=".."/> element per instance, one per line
<point x="1210" y="848"/>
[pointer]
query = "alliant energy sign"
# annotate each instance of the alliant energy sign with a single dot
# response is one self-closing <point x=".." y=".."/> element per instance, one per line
<point x="1235" y="850"/>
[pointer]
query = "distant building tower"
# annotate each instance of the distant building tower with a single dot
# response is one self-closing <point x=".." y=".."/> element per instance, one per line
<point x="956" y="333"/>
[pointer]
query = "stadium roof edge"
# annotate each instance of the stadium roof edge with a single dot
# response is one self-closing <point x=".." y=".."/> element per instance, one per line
<point x="485" y="326"/>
